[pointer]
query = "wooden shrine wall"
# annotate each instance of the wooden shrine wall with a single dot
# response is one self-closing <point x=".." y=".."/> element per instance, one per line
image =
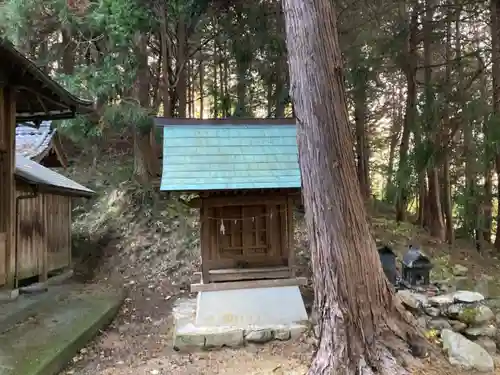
<point x="251" y="233"/>
<point x="43" y="233"/>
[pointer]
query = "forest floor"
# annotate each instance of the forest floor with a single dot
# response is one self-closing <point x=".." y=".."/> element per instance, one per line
<point x="129" y="237"/>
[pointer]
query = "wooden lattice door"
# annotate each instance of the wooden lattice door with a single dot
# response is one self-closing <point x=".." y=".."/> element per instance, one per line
<point x="249" y="236"/>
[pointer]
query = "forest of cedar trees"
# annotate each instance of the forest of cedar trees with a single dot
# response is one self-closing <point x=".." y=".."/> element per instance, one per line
<point x="421" y="79"/>
<point x="422" y="93"/>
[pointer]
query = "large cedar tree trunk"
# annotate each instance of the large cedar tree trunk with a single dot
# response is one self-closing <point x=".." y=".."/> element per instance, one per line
<point x="358" y="313"/>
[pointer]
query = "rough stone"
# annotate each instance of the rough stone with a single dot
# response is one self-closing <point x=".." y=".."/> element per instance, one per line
<point x="483" y="286"/>
<point x="9" y="295"/>
<point x="483" y="314"/>
<point x="432" y="311"/>
<point x="471" y="314"/>
<point x="497" y="319"/>
<point x="259" y="336"/>
<point x="297" y="330"/>
<point x="486" y="330"/>
<point x="454" y="310"/>
<point x="487" y="344"/>
<point x="465" y="353"/>
<point x="439" y="324"/>
<point x="459" y="270"/>
<point x="467" y="296"/>
<point x="444" y="299"/>
<point x="232" y="337"/>
<point x="412" y="300"/>
<point x="187" y="340"/>
<point x="282" y="334"/>
<point x="458" y="326"/>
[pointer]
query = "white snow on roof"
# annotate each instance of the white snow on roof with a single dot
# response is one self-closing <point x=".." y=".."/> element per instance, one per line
<point x="36" y="173"/>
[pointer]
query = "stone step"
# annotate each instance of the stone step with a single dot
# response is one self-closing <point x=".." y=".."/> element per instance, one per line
<point x="25" y="305"/>
<point x="57" y="327"/>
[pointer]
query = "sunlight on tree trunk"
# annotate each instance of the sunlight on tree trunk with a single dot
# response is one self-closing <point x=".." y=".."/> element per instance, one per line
<point x="363" y="329"/>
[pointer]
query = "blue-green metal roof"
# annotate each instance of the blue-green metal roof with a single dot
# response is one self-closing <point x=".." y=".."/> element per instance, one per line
<point x="229" y="156"/>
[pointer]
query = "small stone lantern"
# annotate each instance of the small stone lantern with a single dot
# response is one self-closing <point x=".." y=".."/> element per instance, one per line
<point x="416" y="267"/>
<point x="388" y="260"/>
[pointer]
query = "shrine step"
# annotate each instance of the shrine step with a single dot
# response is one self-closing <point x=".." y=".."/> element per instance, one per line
<point x="234" y="274"/>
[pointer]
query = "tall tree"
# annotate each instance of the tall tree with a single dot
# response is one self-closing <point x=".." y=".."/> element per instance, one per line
<point x="358" y="312"/>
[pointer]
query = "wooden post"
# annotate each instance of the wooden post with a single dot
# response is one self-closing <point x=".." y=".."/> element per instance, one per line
<point x="9" y="116"/>
<point x="70" y="232"/>
<point x="44" y="244"/>
<point x="290" y="239"/>
<point x="205" y="243"/>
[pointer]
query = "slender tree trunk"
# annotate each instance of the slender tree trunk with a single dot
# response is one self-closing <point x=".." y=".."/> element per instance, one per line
<point x="281" y="73"/>
<point x="352" y="296"/>
<point x="215" y="87"/>
<point x="201" y="73"/>
<point x="165" y="62"/>
<point x="181" y="61"/>
<point x="433" y="216"/>
<point x="410" y="70"/>
<point x="495" y="33"/>
<point x="189" y="82"/>
<point x="143" y="155"/>
<point x="394" y="136"/>
<point x="446" y="186"/>
<point x="360" y="117"/>
<point x="68" y="55"/>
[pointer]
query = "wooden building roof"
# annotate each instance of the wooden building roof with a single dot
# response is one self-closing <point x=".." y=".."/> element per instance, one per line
<point x="36" y="174"/>
<point x="41" y="144"/>
<point x="230" y="154"/>
<point x="38" y="96"/>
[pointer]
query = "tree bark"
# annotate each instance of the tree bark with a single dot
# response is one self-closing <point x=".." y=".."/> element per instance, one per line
<point x="495" y="42"/>
<point x="359" y="314"/>
<point x="165" y="63"/>
<point x="360" y="118"/>
<point x="433" y="215"/>
<point x="201" y="73"/>
<point x="181" y="62"/>
<point x="397" y="122"/>
<point x="410" y="71"/>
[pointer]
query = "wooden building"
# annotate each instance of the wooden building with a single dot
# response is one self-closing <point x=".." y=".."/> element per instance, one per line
<point x="41" y="143"/>
<point x="26" y="94"/>
<point x="247" y="179"/>
<point x="43" y="221"/>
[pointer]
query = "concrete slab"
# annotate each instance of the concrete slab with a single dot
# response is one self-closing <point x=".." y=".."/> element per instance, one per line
<point x="44" y="343"/>
<point x="189" y="336"/>
<point x="17" y="310"/>
<point x="250" y="307"/>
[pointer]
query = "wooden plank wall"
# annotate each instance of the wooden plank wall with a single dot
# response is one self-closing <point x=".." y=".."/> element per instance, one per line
<point x="58" y="217"/>
<point x="31" y="245"/>
<point x="44" y="233"/>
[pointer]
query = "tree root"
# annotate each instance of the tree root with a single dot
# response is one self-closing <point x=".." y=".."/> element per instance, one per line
<point x="344" y="350"/>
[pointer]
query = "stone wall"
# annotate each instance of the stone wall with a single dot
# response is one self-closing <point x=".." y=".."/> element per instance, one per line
<point x="460" y="321"/>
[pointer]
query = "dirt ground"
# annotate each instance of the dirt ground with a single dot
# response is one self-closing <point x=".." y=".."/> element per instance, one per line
<point x="139" y="342"/>
<point x="154" y="254"/>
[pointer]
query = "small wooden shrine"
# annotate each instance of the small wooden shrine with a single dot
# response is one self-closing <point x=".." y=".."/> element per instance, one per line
<point x="247" y="178"/>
